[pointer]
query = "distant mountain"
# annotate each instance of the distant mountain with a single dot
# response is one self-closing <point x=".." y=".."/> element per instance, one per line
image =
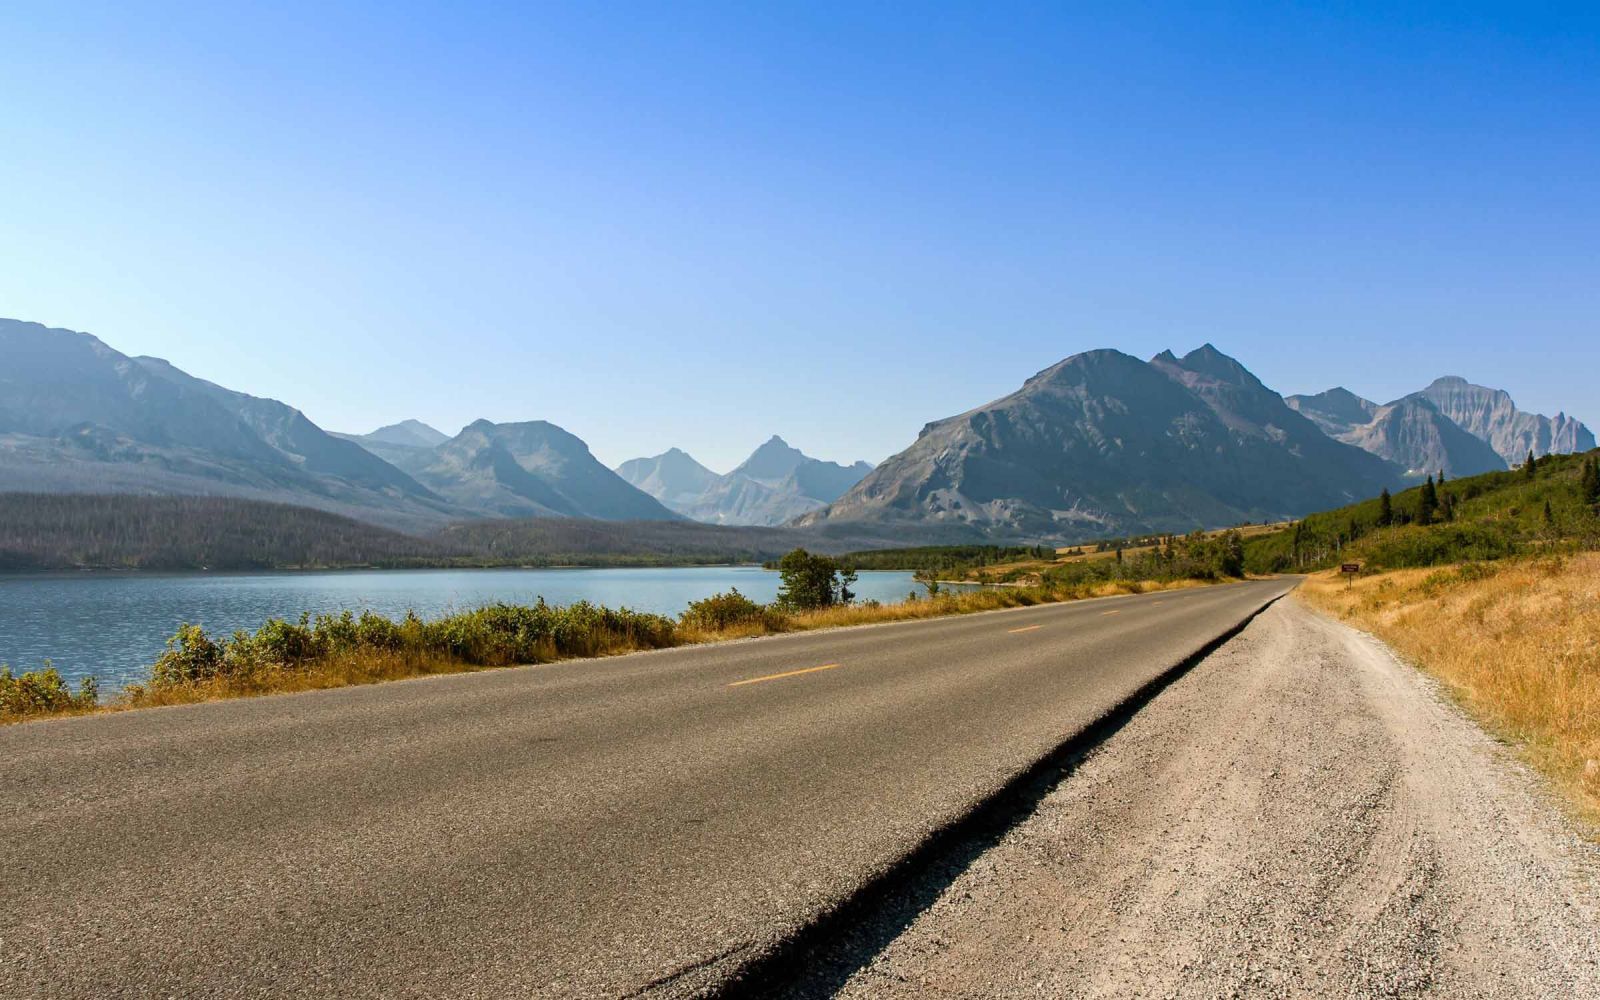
<point x="776" y="484"/>
<point x="1103" y="443"/>
<point x="411" y="433"/>
<point x="1410" y="432"/>
<point x="672" y="477"/>
<point x="532" y="469"/>
<point x="1491" y="416"/>
<point x="407" y="446"/>
<point x="77" y="416"/>
<point x="1337" y="411"/>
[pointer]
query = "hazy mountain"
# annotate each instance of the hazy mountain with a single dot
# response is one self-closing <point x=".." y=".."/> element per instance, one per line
<point x="407" y="446"/>
<point x="776" y="484"/>
<point x="672" y="477"/>
<point x="77" y="416"/>
<point x="532" y="469"/>
<point x="411" y="433"/>
<point x="1410" y="432"/>
<point x="1105" y="443"/>
<point x="1337" y="411"/>
<point x="1491" y="416"/>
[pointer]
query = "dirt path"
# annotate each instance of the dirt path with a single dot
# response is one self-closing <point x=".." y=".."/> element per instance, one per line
<point x="1300" y="815"/>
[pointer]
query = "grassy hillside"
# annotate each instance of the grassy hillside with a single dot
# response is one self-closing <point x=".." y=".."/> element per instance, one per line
<point x="1489" y="516"/>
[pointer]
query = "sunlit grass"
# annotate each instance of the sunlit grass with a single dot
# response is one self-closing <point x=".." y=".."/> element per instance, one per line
<point x="1516" y="642"/>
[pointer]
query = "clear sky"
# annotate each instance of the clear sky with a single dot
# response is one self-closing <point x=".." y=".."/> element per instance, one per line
<point x="697" y="225"/>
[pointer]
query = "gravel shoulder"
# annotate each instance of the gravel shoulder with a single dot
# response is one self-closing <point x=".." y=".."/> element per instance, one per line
<point x="1299" y="815"/>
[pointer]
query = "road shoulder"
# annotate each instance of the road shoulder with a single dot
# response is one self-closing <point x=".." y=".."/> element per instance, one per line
<point x="1301" y="814"/>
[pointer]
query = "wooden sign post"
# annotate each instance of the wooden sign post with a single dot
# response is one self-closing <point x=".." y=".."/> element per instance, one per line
<point x="1349" y="570"/>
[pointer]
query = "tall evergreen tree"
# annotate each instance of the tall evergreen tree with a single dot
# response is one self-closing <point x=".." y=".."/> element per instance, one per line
<point x="1528" y="469"/>
<point x="1591" y="481"/>
<point x="1427" y="502"/>
<point x="1385" y="508"/>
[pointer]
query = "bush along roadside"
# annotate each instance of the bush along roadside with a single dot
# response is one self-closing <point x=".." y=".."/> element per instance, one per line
<point x="325" y="651"/>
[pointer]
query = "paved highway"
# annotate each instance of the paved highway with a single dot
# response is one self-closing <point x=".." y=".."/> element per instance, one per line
<point x="641" y="825"/>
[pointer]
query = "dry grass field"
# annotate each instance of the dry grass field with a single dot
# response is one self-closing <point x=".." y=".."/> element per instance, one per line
<point x="1517" y="643"/>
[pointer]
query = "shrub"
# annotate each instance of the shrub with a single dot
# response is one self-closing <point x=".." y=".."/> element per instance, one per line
<point x="723" y="611"/>
<point x="41" y="692"/>
<point x="190" y="656"/>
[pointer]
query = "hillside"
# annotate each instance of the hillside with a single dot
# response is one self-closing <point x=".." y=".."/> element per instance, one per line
<point x="1488" y="516"/>
<point x="78" y="416"/>
<point x="52" y="532"/>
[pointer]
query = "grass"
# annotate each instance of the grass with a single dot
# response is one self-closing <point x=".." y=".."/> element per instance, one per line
<point x="1517" y="643"/>
<point x="342" y="650"/>
<point x="1489" y="516"/>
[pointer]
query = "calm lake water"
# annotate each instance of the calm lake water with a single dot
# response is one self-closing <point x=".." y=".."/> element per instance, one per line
<point x="114" y="626"/>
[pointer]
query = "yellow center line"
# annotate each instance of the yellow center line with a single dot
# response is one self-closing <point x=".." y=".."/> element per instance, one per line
<point x="1116" y="612"/>
<point x="1028" y="628"/>
<point x="790" y="673"/>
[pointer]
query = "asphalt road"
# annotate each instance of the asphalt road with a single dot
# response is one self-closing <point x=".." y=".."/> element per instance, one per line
<point x="637" y="825"/>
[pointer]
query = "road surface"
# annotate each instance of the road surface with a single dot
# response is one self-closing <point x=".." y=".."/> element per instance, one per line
<point x="640" y="825"/>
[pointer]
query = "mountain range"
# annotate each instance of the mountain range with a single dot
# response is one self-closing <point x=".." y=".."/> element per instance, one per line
<point x="1103" y="443"/>
<point x="775" y="485"/>
<point x="1100" y="443"/>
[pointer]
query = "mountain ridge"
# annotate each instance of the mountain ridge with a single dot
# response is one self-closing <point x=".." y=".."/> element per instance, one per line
<point x="1103" y="443"/>
<point x="773" y="485"/>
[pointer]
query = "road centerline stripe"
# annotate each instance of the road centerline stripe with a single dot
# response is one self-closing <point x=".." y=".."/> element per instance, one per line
<point x="1118" y="611"/>
<point x="787" y="673"/>
<point x="1025" y="628"/>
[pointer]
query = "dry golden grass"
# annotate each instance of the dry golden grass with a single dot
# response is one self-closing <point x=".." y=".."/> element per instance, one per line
<point x="373" y="666"/>
<point x="1517" y="643"/>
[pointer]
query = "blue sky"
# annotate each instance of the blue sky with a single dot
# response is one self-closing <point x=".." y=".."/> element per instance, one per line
<point x="698" y="225"/>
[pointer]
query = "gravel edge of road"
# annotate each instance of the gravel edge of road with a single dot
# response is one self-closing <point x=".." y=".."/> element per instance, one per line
<point x="765" y="970"/>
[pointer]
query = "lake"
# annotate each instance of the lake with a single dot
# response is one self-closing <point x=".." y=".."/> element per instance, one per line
<point x="114" y="625"/>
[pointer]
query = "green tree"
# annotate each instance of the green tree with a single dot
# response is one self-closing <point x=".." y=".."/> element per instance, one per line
<point x="813" y="581"/>
<point x="1427" y="502"/>
<point x="1591" y="482"/>
<point x="1549" y="515"/>
<point x="1385" y="509"/>
<point x="1528" y="469"/>
<point x="928" y="578"/>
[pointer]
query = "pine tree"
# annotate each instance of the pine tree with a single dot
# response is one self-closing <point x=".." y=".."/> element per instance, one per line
<point x="1549" y="515"/>
<point x="1385" y="509"/>
<point x="1427" y="502"/>
<point x="1591" y="482"/>
<point x="1528" y="469"/>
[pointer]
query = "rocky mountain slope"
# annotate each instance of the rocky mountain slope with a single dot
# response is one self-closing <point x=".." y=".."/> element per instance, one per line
<point x="673" y="477"/>
<point x="1410" y="432"/>
<point x="77" y="416"/>
<point x="1491" y="416"/>
<point x="1103" y="443"/>
<point x="776" y="484"/>
<point x="532" y="469"/>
